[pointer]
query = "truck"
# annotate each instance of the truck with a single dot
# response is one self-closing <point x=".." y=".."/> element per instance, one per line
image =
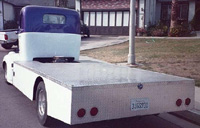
<point x="75" y="89"/>
<point x="8" y="38"/>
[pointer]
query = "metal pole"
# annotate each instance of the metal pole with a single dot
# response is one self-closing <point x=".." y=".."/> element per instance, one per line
<point x="131" y="55"/>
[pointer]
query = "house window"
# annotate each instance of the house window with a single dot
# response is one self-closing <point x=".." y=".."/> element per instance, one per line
<point x="92" y="18"/>
<point x="98" y="18"/>
<point x="126" y="19"/>
<point x="183" y="15"/>
<point x="112" y="18"/>
<point x="105" y="18"/>
<point x="166" y="12"/>
<point x="182" y="11"/>
<point x="86" y="18"/>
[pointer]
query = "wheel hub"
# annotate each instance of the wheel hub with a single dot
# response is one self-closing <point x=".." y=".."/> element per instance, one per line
<point x="41" y="103"/>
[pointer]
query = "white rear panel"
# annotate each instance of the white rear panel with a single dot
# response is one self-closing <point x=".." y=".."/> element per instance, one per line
<point x="114" y="101"/>
<point x="33" y="45"/>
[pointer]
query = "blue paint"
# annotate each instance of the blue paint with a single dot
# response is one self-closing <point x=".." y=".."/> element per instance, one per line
<point x="32" y="20"/>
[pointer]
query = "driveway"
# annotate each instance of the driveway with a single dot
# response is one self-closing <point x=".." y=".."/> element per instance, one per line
<point x="97" y="41"/>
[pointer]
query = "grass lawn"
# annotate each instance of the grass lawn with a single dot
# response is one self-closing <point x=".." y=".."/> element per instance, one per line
<point x="176" y="57"/>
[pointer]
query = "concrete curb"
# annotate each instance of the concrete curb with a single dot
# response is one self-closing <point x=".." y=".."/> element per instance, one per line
<point x="197" y="98"/>
<point x="173" y="38"/>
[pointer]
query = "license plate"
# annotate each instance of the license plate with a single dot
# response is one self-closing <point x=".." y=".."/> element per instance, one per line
<point x="139" y="104"/>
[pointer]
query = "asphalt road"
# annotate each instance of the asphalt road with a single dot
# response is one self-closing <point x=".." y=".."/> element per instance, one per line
<point x="17" y="111"/>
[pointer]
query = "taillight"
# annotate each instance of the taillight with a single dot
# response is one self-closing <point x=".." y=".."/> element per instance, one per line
<point x="187" y="101"/>
<point x="94" y="111"/>
<point x="6" y="37"/>
<point x="81" y="112"/>
<point x="179" y="102"/>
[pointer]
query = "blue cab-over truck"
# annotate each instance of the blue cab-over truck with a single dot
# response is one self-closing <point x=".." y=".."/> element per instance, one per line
<point x="74" y="89"/>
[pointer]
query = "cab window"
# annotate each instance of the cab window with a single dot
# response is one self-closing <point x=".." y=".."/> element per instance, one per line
<point x="54" y="19"/>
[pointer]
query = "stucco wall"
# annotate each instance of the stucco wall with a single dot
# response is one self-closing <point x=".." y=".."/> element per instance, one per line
<point x="191" y="10"/>
<point x="9" y="13"/>
<point x="1" y="17"/>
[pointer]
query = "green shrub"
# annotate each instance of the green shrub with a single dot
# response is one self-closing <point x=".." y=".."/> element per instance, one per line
<point x="141" y="31"/>
<point x="157" y="30"/>
<point x="10" y="24"/>
<point x="180" y="30"/>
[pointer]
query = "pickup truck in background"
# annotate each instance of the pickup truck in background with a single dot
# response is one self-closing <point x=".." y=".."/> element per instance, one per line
<point x="49" y="69"/>
<point x="8" y="38"/>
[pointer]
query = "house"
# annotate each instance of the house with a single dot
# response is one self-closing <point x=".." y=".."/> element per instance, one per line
<point x="112" y="16"/>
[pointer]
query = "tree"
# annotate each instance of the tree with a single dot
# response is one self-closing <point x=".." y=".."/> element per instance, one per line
<point x="174" y="15"/>
<point x="61" y="3"/>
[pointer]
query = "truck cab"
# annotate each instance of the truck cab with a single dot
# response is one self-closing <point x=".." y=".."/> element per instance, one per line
<point x="45" y="33"/>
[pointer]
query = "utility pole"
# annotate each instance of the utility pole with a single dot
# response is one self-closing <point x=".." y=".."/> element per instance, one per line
<point x="131" y="55"/>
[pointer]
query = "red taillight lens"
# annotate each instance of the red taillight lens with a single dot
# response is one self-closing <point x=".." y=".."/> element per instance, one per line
<point x="94" y="111"/>
<point x="81" y="112"/>
<point x="179" y="102"/>
<point x="187" y="101"/>
<point x="6" y="37"/>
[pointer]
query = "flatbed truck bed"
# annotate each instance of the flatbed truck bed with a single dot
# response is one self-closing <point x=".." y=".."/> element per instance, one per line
<point x="90" y="72"/>
<point x="110" y="88"/>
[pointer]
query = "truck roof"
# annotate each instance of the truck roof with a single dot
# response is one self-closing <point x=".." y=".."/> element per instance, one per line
<point x="49" y="19"/>
<point x="93" y="73"/>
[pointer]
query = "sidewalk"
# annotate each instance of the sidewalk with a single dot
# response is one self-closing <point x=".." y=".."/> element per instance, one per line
<point x="97" y="41"/>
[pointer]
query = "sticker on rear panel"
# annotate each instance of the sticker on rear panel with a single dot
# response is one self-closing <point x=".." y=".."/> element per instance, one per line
<point x="139" y="104"/>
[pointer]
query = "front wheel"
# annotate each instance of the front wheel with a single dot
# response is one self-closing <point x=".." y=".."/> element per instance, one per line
<point x="41" y="99"/>
<point x="88" y="34"/>
<point x="5" y="70"/>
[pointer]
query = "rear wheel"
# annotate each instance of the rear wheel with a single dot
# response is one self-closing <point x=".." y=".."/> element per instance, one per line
<point x="41" y="100"/>
<point x="7" y="46"/>
<point x="5" y="72"/>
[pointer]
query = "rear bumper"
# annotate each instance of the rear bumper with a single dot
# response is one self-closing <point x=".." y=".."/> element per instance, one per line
<point x="9" y="42"/>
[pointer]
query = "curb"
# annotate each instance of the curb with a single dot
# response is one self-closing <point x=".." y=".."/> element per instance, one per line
<point x="173" y="38"/>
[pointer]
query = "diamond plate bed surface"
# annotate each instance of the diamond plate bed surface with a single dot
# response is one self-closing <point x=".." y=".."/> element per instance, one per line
<point x="90" y="72"/>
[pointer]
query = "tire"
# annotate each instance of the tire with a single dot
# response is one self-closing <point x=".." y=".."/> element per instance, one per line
<point x="7" y="46"/>
<point x="41" y="103"/>
<point x="5" y="72"/>
<point x="88" y="34"/>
